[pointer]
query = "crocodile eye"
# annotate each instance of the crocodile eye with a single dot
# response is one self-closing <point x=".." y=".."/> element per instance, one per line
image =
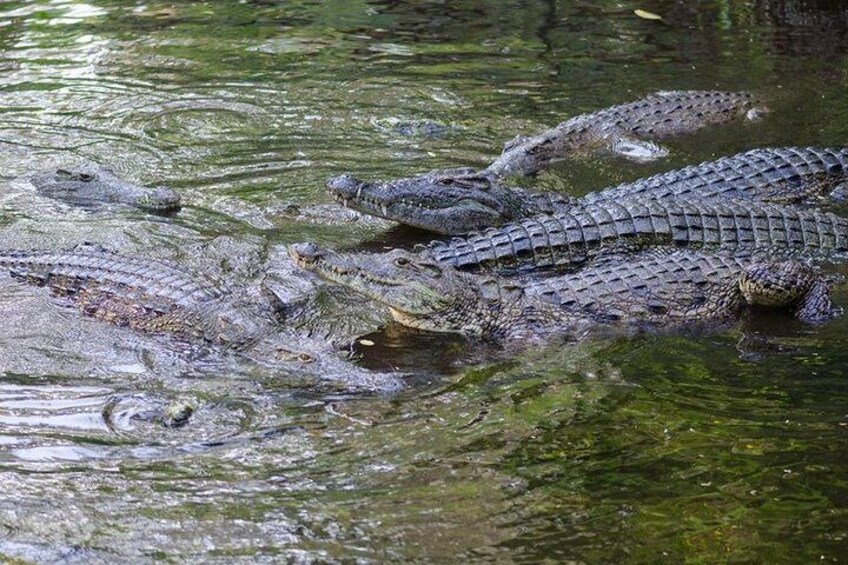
<point x="87" y="177"/>
<point x="305" y="358"/>
<point x="401" y="261"/>
<point x="446" y="182"/>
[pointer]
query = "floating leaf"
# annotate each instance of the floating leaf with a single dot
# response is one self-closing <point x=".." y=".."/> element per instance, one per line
<point x="645" y="15"/>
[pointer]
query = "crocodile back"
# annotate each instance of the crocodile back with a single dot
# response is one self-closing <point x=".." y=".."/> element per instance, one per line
<point x="659" y="287"/>
<point x="134" y="276"/>
<point x="674" y="112"/>
<point x="570" y="238"/>
<point x="658" y="115"/>
<point x="143" y="294"/>
<point x="787" y="174"/>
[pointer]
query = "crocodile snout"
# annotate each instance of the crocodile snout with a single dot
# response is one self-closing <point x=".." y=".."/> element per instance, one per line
<point x="305" y="252"/>
<point x="160" y="199"/>
<point x="168" y="197"/>
<point x="345" y="184"/>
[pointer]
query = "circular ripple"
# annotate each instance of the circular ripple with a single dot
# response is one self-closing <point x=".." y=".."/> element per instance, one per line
<point x="198" y="120"/>
<point x="166" y="419"/>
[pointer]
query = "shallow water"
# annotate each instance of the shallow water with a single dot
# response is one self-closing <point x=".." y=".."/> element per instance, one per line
<point x="726" y="446"/>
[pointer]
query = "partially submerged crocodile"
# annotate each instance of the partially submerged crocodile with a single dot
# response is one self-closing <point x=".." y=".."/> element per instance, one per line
<point x="569" y="238"/>
<point x="459" y="201"/>
<point x="658" y="288"/>
<point x="626" y="129"/>
<point x="162" y="298"/>
<point x="91" y="186"/>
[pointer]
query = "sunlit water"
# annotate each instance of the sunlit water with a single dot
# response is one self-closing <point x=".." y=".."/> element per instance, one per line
<point x="727" y="446"/>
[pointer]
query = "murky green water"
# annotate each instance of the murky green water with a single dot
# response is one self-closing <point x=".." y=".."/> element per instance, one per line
<point x="653" y="448"/>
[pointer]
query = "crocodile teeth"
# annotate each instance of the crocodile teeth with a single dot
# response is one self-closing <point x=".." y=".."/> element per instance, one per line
<point x="384" y="209"/>
<point x="359" y="191"/>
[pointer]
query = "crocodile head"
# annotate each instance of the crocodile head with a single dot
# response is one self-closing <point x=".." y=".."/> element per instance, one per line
<point x="452" y="201"/>
<point x="92" y="185"/>
<point x="419" y="293"/>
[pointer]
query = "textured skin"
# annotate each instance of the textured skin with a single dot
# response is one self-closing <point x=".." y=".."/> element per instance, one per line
<point x="570" y="238"/>
<point x="95" y="185"/>
<point x="459" y="201"/>
<point x="659" y="115"/>
<point x="453" y="201"/>
<point x="782" y="175"/>
<point x="686" y="285"/>
<point x="144" y="294"/>
<point x="658" y="287"/>
<point x="89" y="263"/>
<point x="161" y="298"/>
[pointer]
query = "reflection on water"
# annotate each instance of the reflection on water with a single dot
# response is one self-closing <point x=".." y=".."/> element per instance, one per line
<point x="118" y="446"/>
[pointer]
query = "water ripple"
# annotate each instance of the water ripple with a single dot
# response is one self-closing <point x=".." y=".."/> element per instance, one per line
<point x="116" y="446"/>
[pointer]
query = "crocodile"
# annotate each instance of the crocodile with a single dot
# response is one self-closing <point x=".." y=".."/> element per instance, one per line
<point x="627" y="130"/>
<point x="657" y="288"/>
<point x="458" y="201"/>
<point x="91" y="185"/>
<point x="570" y="238"/>
<point x="162" y="298"/>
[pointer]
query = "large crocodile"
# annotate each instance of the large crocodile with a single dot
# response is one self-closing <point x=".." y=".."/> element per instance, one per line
<point x="569" y="238"/>
<point x="625" y="129"/>
<point x="162" y="298"/>
<point x="458" y="201"/>
<point x="90" y="185"/>
<point x="658" y="288"/>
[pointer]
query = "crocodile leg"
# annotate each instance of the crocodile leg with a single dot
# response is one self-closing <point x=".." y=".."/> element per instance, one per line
<point x="788" y="284"/>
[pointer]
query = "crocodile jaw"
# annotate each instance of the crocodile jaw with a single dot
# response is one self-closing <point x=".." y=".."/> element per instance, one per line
<point x="362" y="273"/>
<point x="447" y="202"/>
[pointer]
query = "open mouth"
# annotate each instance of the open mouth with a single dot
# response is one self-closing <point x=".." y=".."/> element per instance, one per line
<point x="360" y="202"/>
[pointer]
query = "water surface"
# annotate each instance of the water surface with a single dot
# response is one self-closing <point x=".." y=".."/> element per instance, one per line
<point x="727" y="446"/>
